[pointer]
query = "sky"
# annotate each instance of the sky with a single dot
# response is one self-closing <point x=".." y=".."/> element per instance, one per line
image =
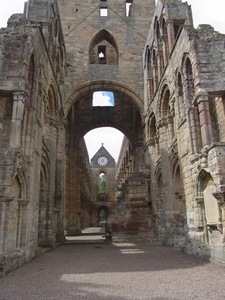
<point x="204" y="12"/>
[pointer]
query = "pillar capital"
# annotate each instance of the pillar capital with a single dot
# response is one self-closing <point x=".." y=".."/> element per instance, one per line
<point x="200" y="96"/>
<point x="19" y="96"/>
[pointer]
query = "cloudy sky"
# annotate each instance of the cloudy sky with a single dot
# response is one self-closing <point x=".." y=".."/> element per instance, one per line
<point x="204" y="12"/>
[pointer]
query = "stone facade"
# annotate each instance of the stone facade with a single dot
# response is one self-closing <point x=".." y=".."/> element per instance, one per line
<point x="168" y="184"/>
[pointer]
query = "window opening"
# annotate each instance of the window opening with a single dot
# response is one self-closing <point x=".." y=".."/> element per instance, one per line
<point x="128" y="7"/>
<point x="102" y="183"/>
<point x="103" y="98"/>
<point x="102" y="54"/>
<point x="103" y="11"/>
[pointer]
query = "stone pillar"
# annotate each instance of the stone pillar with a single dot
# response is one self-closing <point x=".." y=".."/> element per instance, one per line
<point x="205" y="119"/>
<point x="138" y="159"/>
<point x="19" y="99"/>
<point x="193" y="133"/>
<point x="21" y="226"/>
<point x="221" y="222"/>
<point x="170" y="127"/>
<point x="171" y="35"/>
<point x="200" y="218"/>
<point x="5" y="201"/>
<point x="59" y="188"/>
<point x="150" y="89"/>
<point x="156" y="138"/>
<point x="155" y="77"/>
<point x="160" y="65"/>
<point x="165" y="49"/>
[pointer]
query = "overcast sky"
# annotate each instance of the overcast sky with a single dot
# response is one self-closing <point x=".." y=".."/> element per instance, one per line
<point x="204" y="12"/>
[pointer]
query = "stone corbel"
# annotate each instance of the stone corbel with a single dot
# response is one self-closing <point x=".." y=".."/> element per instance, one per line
<point x="6" y="198"/>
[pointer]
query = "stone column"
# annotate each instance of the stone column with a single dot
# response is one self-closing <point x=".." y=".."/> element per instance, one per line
<point x="170" y="127"/>
<point x="155" y="77"/>
<point x="204" y="116"/>
<point x="19" y="99"/>
<point x="150" y="89"/>
<point x="165" y="49"/>
<point x="21" y="227"/>
<point x="160" y="65"/>
<point x="221" y="222"/>
<point x="156" y="140"/>
<point x="171" y="35"/>
<point x="200" y="218"/>
<point x="193" y="133"/>
<point x="5" y="201"/>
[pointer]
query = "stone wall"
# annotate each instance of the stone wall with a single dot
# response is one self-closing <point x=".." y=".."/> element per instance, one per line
<point x="183" y="133"/>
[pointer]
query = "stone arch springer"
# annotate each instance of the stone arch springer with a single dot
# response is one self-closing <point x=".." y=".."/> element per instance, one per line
<point x="113" y="86"/>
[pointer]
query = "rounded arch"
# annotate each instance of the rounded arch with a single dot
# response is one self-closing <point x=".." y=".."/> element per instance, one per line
<point x="165" y="96"/>
<point x="152" y="130"/>
<point x="99" y="125"/>
<point x="102" y="85"/>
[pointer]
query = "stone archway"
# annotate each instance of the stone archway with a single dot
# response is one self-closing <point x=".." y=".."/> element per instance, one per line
<point x="126" y="116"/>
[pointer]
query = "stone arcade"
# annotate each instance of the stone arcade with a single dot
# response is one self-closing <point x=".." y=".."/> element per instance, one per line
<point x="168" y="82"/>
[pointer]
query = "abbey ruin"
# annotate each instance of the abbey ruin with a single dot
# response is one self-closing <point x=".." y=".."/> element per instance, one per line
<point x="168" y="82"/>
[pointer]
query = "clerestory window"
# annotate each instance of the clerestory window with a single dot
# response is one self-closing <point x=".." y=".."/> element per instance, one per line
<point x="102" y="183"/>
<point x="102" y="54"/>
<point x="128" y="7"/>
<point x="103" y="9"/>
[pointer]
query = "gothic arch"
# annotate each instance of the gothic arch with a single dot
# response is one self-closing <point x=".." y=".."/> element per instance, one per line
<point x="103" y="42"/>
<point x="21" y="177"/>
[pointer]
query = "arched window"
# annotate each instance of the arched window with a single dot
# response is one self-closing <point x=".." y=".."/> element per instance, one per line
<point x="103" y="49"/>
<point x="102" y="183"/>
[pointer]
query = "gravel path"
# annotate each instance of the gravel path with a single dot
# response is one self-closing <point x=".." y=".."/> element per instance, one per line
<point x="115" y="272"/>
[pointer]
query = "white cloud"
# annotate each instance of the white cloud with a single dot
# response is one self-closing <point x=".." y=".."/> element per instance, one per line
<point x="8" y="8"/>
<point x="101" y="99"/>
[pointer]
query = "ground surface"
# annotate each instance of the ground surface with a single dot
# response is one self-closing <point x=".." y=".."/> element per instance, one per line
<point x="114" y="272"/>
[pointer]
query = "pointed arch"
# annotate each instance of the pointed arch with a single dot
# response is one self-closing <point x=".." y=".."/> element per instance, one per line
<point x="103" y="49"/>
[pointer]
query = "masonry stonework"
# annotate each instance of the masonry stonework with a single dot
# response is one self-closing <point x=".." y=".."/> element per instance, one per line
<point x="168" y="82"/>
